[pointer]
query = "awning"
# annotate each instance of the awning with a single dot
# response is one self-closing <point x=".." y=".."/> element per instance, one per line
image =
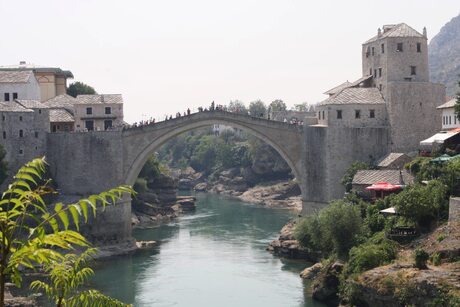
<point x="384" y="186"/>
<point x="439" y="137"/>
<point x="390" y="210"/>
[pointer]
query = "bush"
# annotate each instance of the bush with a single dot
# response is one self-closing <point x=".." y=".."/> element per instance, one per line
<point x="336" y="228"/>
<point x="140" y="186"/>
<point x="435" y="259"/>
<point x="347" y="179"/>
<point x="420" y="257"/>
<point x="376" y="252"/>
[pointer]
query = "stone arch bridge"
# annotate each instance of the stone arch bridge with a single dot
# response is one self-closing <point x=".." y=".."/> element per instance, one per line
<point x="83" y="163"/>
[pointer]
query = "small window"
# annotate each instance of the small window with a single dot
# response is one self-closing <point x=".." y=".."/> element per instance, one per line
<point x="383" y="48"/>
<point x="15" y="96"/>
<point x="108" y="110"/>
<point x="89" y="124"/>
<point x="339" y="114"/>
<point x="7" y="96"/>
<point x="399" y="47"/>
<point x="20" y="118"/>
<point x="319" y="115"/>
<point x="357" y="113"/>
<point x="39" y="111"/>
<point x="367" y="52"/>
<point x="419" y="47"/>
<point x="408" y="79"/>
<point x="372" y="113"/>
<point x="89" y="111"/>
<point x="450" y="120"/>
<point x="380" y="87"/>
<point x="4" y="134"/>
<point x="413" y="70"/>
<point x="380" y="72"/>
<point x="107" y="124"/>
<point x="323" y="115"/>
<point x="373" y="51"/>
<point x="21" y="152"/>
<point x="375" y="73"/>
<point x="36" y="134"/>
<point x="3" y="117"/>
<point x="21" y="133"/>
<point x="370" y="71"/>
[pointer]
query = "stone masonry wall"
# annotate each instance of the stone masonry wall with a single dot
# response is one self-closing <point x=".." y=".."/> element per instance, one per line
<point x="454" y="209"/>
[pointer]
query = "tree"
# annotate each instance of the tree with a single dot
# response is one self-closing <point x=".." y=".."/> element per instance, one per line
<point x="457" y="104"/>
<point x="257" y="108"/>
<point x="80" y="88"/>
<point x="3" y="165"/>
<point x="31" y="233"/>
<point x="301" y="107"/>
<point x="347" y="179"/>
<point x="67" y="276"/>
<point x="237" y="106"/>
<point x="277" y="106"/>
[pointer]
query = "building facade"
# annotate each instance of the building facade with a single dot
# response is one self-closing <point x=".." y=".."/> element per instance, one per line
<point x="449" y="119"/>
<point x="98" y="112"/>
<point x="18" y="85"/>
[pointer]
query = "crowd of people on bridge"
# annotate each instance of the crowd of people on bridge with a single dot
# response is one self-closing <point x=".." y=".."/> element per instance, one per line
<point x="212" y="107"/>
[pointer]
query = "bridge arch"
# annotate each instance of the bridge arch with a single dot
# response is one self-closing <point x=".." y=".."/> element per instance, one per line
<point x="141" y="142"/>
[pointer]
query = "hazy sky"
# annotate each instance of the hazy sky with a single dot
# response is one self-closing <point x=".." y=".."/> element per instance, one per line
<point x="165" y="56"/>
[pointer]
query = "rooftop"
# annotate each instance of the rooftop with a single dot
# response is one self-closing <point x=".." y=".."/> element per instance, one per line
<point x="449" y="104"/>
<point x="13" y="106"/>
<point x="31" y="104"/>
<point x="397" y="30"/>
<point x="61" y="101"/>
<point x="15" y="76"/>
<point x="369" y="177"/>
<point x="61" y="116"/>
<point x="338" y="88"/>
<point x="390" y="158"/>
<point x="95" y="99"/>
<point x="35" y="68"/>
<point x="355" y="95"/>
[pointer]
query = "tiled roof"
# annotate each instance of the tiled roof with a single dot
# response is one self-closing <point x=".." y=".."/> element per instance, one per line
<point x="449" y="104"/>
<point x="61" y="101"/>
<point x="338" y="88"/>
<point x="36" y="68"/>
<point x="61" y="116"/>
<point x="31" y="104"/>
<point x="105" y="98"/>
<point x="12" y="106"/>
<point x="369" y="177"/>
<point x="15" y="76"/>
<point x="398" y="30"/>
<point x="390" y="158"/>
<point x="355" y="95"/>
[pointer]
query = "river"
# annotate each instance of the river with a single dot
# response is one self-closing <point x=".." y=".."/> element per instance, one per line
<point x="213" y="257"/>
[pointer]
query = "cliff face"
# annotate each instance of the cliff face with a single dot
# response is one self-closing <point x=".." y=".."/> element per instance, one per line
<point x="444" y="56"/>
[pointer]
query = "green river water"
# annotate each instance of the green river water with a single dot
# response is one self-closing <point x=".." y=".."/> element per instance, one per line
<point x="213" y="257"/>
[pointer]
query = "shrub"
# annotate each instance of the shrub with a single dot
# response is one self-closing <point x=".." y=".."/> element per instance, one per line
<point x="347" y="178"/>
<point x="140" y="186"/>
<point x="420" y="257"/>
<point x="441" y="237"/>
<point x="435" y="259"/>
<point x="376" y="252"/>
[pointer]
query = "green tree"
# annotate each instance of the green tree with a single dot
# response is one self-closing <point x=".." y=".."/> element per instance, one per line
<point x="301" y="107"/>
<point x="33" y="233"/>
<point x="66" y="278"/>
<point x="3" y="165"/>
<point x="80" y="88"/>
<point x="347" y="179"/>
<point x="277" y="106"/>
<point x="237" y="106"/>
<point x="258" y="108"/>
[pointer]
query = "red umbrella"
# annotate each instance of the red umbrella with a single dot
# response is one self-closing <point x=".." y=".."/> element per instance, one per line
<point x="384" y="186"/>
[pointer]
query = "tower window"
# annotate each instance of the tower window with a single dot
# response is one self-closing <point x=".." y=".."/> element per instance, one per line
<point x="399" y="47"/>
<point x="357" y="113"/>
<point x="380" y="72"/>
<point x="21" y="133"/>
<point x="36" y="134"/>
<point x="419" y="47"/>
<point x="339" y="114"/>
<point x="108" y="110"/>
<point x="15" y="96"/>
<point x="383" y="48"/>
<point x="20" y="118"/>
<point x="373" y="51"/>
<point x="21" y="151"/>
<point x="4" y="134"/>
<point x="370" y="71"/>
<point x="413" y="70"/>
<point x="6" y="96"/>
<point x="323" y="114"/>
<point x="372" y="113"/>
<point x="375" y="73"/>
<point x="89" y="111"/>
<point x="39" y="111"/>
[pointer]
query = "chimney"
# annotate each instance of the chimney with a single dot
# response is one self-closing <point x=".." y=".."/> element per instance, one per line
<point x="379" y="32"/>
<point x="424" y="32"/>
<point x="22" y="63"/>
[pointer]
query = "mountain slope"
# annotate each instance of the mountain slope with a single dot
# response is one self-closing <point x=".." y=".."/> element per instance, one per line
<point x="444" y="56"/>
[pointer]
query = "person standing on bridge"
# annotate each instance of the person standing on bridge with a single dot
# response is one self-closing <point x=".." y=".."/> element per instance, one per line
<point x="188" y="111"/>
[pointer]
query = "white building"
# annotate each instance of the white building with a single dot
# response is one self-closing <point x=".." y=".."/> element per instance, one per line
<point x="18" y="85"/>
<point x="98" y="112"/>
<point x="449" y="119"/>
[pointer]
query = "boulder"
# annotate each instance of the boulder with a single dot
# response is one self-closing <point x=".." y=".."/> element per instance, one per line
<point x="326" y="285"/>
<point x="148" y="197"/>
<point x="230" y="173"/>
<point x="185" y="184"/>
<point x="201" y="187"/>
<point x="312" y="271"/>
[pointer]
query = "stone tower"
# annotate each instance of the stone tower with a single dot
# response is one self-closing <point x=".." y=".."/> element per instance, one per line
<point x="397" y="60"/>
